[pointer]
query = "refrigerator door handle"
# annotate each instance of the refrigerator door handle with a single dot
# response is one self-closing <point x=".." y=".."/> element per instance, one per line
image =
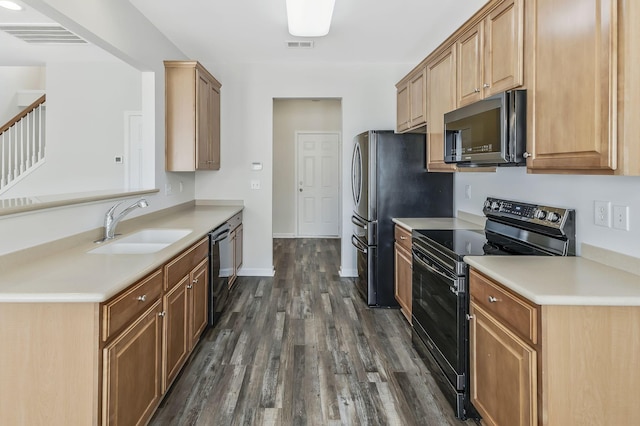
<point x="358" y="222"/>
<point x="358" y="244"/>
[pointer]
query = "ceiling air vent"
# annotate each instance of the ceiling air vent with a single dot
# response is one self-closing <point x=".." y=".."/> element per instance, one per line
<point x="300" y="44"/>
<point x="42" y="33"/>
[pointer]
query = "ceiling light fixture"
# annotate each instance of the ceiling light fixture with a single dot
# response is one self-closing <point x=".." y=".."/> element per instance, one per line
<point x="10" y="5"/>
<point x="309" y="18"/>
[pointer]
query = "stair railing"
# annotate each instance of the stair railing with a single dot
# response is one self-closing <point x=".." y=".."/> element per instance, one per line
<point x="22" y="143"/>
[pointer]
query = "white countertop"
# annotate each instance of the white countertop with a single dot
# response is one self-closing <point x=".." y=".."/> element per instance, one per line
<point x="435" y="223"/>
<point x="561" y="280"/>
<point x="73" y="275"/>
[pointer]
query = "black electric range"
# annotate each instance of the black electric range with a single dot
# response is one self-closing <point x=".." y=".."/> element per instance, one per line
<point x="440" y="299"/>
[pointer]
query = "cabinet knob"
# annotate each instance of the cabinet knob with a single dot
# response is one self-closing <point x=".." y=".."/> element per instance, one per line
<point x="402" y="237"/>
<point x="492" y="299"/>
<point x="162" y="314"/>
<point x="190" y="286"/>
<point x="469" y="317"/>
<point x="476" y="90"/>
<point x="195" y="281"/>
<point x="486" y="85"/>
<point x="526" y="155"/>
<point x="142" y="298"/>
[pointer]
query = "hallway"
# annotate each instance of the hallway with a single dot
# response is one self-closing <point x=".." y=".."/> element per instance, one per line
<point x="302" y="348"/>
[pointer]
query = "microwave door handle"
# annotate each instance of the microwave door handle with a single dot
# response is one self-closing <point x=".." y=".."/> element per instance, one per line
<point x="357" y="244"/>
<point x="430" y="267"/>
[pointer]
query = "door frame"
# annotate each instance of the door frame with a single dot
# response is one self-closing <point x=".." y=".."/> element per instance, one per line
<point x="339" y="182"/>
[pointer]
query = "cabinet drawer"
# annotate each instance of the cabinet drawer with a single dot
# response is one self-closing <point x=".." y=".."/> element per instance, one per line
<point x="123" y="309"/>
<point x="403" y="237"/>
<point x="183" y="264"/>
<point x="520" y="315"/>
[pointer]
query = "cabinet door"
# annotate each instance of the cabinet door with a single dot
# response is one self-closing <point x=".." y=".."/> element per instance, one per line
<point x="403" y="276"/>
<point x="469" y="66"/>
<point x="214" y="129"/>
<point x="417" y="98"/>
<point x="198" y="292"/>
<point x="402" y="108"/>
<point x="441" y="98"/>
<point x="131" y="372"/>
<point x="176" y="343"/>
<point x="503" y="372"/>
<point x="503" y="48"/>
<point x="573" y="94"/>
<point x="203" y="125"/>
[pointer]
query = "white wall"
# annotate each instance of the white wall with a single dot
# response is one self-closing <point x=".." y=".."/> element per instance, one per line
<point x="121" y="29"/>
<point x="86" y="102"/>
<point x="289" y="116"/>
<point x="573" y="191"/>
<point x="14" y="79"/>
<point x="368" y="102"/>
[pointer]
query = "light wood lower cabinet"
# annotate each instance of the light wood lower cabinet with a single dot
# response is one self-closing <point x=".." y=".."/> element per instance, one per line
<point x="403" y="271"/>
<point x="132" y="366"/>
<point x="569" y="365"/>
<point x="503" y="372"/>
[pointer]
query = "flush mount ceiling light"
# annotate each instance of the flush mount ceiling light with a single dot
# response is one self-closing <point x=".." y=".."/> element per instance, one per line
<point x="10" y="5"/>
<point x="309" y="18"/>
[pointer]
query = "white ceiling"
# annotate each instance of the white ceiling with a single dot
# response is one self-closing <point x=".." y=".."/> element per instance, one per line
<point x="397" y="31"/>
<point x="238" y="31"/>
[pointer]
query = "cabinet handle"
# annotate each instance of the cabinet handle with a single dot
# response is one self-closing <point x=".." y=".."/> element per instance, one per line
<point x="469" y="317"/>
<point x="190" y="286"/>
<point x="492" y="299"/>
<point x="486" y="85"/>
<point x="162" y="314"/>
<point x="142" y="298"/>
<point x="402" y="237"/>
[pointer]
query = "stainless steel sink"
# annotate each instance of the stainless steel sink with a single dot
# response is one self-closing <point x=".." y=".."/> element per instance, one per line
<point x="142" y="242"/>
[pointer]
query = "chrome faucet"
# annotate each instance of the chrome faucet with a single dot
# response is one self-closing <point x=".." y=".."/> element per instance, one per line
<point x="111" y="222"/>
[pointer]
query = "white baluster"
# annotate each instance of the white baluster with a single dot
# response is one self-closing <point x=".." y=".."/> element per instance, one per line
<point x="3" y="178"/>
<point x="22" y="146"/>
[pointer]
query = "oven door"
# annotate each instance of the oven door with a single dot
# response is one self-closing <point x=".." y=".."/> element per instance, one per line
<point x="438" y="310"/>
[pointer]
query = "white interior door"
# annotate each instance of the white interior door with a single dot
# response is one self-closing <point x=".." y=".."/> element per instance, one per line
<point x="318" y="180"/>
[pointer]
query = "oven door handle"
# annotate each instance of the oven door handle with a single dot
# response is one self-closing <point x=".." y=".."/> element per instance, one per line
<point x="358" y="244"/>
<point x="431" y="268"/>
<point x="358" y="222"/>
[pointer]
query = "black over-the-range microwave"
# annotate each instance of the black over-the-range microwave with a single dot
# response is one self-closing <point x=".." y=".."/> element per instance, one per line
<point x="490" y="132"/>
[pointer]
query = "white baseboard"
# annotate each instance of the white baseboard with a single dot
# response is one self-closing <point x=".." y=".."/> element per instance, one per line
<point x="284" y="235"/>
<point x="348" y="273"/>
<point x="256" y="272"/>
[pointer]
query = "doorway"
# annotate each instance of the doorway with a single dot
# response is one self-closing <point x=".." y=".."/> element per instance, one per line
<point x="307" y="148"/>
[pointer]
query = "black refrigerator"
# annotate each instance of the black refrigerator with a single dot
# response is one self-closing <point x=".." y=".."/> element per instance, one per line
<point x="389" y="179"/>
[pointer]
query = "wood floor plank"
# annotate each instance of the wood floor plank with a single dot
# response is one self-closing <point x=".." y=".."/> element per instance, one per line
<point x="303" y="348"/>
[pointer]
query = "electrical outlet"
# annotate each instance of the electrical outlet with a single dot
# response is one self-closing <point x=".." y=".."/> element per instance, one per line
<point x="602" y="213"/>
<point x="255" y="184"/>
<point x="467" y="192"/>
<point x="621" y="217"/>
<point x="168" y="190"/>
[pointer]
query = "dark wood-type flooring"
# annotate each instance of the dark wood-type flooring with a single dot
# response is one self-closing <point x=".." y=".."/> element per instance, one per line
<point x="302" y="348"/>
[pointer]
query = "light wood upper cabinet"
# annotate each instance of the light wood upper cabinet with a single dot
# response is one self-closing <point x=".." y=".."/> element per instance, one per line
<point x="441" y="98"/>
<point x="490" y="54"/>
<point x="403" y="271"/>
<point x="403" y="108"/>
<point x="192" y="120"/>
<point x="411" y="101"/>
<point x="572" y="94"/>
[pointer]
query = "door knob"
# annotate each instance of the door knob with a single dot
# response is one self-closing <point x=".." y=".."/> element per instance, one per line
<point x="300" y="189"/>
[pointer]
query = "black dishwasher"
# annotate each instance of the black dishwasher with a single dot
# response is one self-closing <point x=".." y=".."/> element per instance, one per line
<point x="218" y="282"/>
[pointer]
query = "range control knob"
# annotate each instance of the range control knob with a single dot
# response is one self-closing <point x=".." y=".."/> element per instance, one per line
<point x="495" y="205"/>
<point x="487" y="204"/>
<point x="553" y="217"/>
<point x="540" y="214"/>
